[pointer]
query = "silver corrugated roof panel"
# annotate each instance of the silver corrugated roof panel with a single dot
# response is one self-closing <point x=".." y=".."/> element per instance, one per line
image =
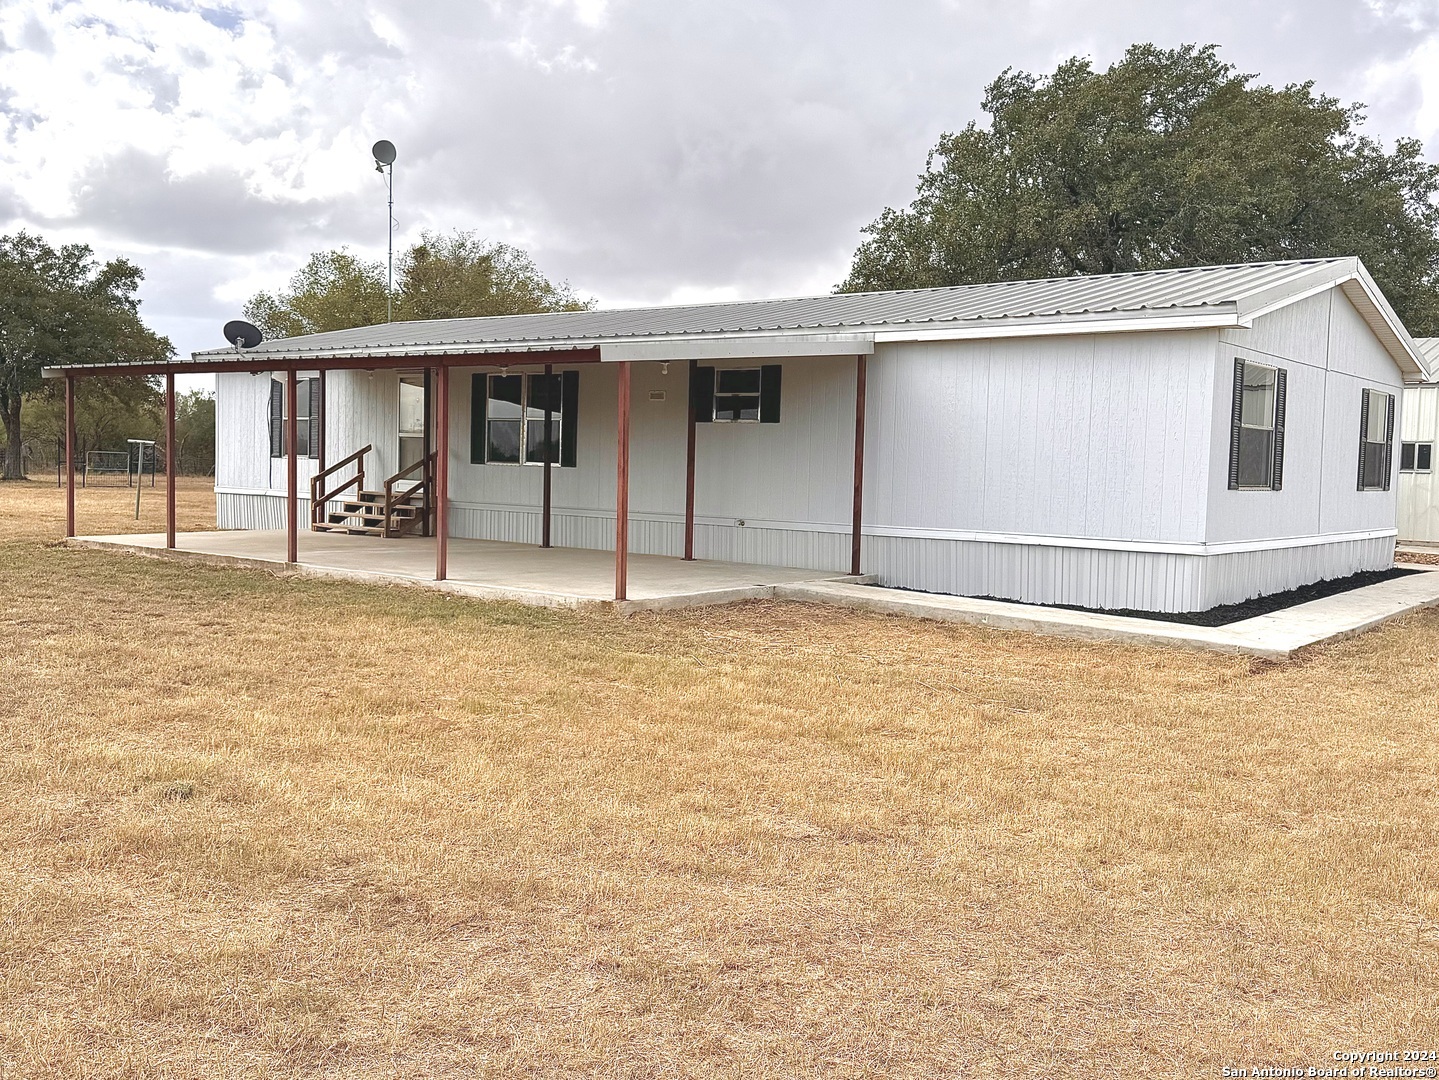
<point x="1149" y="291"/>
<point x="1213" y="296"/>
<point x="1429" y="349"/>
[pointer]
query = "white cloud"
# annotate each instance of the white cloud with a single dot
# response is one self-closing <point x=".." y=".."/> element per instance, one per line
<point x="646" y="150"/>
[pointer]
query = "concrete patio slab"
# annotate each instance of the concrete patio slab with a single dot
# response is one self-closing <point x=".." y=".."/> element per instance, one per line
<point x="575" y="577"/>
<point x="485" y="569"/>
<point x="1277" y="635"/>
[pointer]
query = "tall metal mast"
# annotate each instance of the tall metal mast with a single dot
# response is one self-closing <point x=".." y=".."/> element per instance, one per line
<point x="384" y="154"/>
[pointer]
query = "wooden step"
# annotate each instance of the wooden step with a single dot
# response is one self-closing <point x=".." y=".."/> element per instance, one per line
<point x="353" y="530"/>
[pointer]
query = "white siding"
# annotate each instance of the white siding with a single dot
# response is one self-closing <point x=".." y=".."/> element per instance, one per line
<point x="242" y="432"/>
<point x="1095" y="436"/>
<point x="242" y="441"/>
<point x="1419" y="492"/>
<point x="1088" y="470"/>
<point x="1330" y="356"/>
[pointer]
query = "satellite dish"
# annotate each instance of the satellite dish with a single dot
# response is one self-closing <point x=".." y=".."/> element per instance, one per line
<point x="384" y="152"/>
<point x="242" y="335"/>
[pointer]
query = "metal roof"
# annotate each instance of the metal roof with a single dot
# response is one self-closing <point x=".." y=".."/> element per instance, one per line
<point x="1214" y="296"/>
<point x="1429" y="349"/>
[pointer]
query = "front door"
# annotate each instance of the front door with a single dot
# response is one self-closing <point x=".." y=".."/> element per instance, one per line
<point x="412" y="420"/>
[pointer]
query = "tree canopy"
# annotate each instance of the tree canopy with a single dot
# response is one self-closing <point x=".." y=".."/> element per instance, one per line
<point x="443" y="276"/>
<point x="1167" y="158"/>
<point x="59" y="306"/>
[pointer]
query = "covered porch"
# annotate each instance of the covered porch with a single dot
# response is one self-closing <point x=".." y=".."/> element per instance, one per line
<point x="484" y="569"/>
<point x="326" y="513"/>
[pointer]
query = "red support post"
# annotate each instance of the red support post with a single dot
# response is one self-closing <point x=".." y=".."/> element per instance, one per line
<point x="292" y="469"/>
<point x="622" y="483"/>
<point x="69" y="454"/>
<point x="858" y="464"/>
<point x="690" y="471"/>
<point x="442" y="474"/>
<point x="170" y="459"/>
<point x="549" y="452"/>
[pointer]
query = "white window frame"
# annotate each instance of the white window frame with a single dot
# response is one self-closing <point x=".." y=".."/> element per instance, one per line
<point x="758" y="396"/>
<point x="302" y="401"/>
<point x="1387" y="402"/>
<point x="557" y="413"/>
<point x="1416" y="443"/>
<point x="1272" y="427"/>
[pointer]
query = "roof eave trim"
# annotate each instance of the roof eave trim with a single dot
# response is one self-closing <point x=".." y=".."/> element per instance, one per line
<point x="1363" y="292"/>
<point x="1352" y="276"/>
<point x="1207" y="319"/>
<point x="737" y="346"/>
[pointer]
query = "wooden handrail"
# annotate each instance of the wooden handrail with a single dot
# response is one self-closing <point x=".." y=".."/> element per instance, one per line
<point x="358" y="454"/>
<point x="425" y="463"/>
<point x="320" y="499"/>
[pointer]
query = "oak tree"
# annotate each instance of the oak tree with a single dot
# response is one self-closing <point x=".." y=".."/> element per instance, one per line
<point x="1167" y="158"/>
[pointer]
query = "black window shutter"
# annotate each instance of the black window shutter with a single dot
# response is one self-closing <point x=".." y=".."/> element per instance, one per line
<point x="1281" y="380"/>
<point x="1235" y="412"/>
<point x="569" y="418"/>
<point x="479" y="408"/>
<point x="1389" y="442"/>
<point x="1363" y="433"/>
<point x="702" y="394"/>
<point x="769" y="394"/>
<point x="277" y="418"/>
<point x="317" y="411"/>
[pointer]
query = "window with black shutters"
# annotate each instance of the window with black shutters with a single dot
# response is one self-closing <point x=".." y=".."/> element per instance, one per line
<point x="736" y="395"/>
<point x="307" y="418"/>
<point x="1256" y="445"/>
<point x="507" y="418"/>
<point x="1376" y="440"/>
<point x="1416" y="457"/>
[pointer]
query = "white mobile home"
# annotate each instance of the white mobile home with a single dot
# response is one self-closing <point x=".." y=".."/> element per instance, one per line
<point x="1164" y="441"/>
<point x="1418" y="434"/>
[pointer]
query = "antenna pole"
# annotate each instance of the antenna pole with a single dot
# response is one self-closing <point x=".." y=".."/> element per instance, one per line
<point x="390" y="253"/>
<point x="384" y="155"/>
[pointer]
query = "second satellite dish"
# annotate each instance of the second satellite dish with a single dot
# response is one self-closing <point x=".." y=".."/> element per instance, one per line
<point x="242" y="335"/>
<point x="384" y="152"/>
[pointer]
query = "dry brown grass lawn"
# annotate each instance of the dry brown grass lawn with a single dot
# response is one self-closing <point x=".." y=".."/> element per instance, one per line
<point x="256" y="826"/>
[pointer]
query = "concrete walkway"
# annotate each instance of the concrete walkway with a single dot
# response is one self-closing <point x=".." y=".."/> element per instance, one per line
<point x="1277" y="635"/>
<point x="485" y="569"/>
<point x="575" y="577"/>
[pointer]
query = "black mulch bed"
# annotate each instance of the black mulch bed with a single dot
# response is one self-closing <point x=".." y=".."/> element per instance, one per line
<point x="1260" y="605"/>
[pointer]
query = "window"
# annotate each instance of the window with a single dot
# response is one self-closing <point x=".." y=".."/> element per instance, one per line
<point x="736" y="395"/>
<point x="307" y="417"/>
<point x="1376" y="440"/>
<point x="1416" y="457"/>
<point x="508" y="419"/>
<point x="1256" y="443"/>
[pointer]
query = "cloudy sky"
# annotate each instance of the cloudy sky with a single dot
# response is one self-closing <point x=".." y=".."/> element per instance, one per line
<point x="647" y="151"/>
